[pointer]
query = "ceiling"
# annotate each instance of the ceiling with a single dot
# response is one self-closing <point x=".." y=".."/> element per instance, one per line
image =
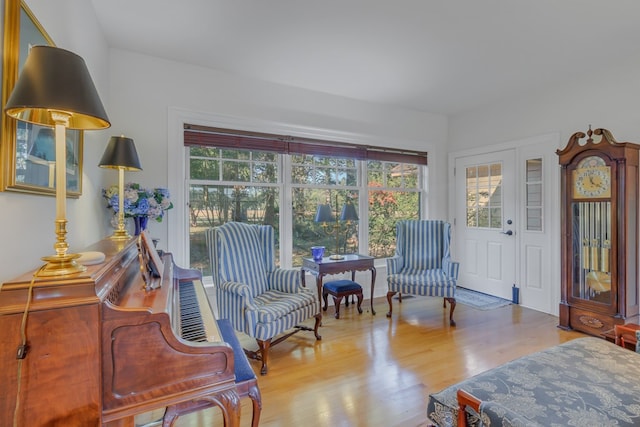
<point x="439" y="56"/>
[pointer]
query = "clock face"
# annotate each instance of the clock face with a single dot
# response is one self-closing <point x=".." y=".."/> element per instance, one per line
<point x="592" y="181"/>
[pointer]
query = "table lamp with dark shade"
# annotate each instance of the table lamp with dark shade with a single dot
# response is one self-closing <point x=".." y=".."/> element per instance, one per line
<point x="55" y="89"/>
<point x="324" y="215"/>
<point x="348" y="212"/>
<point x="120" y="154"/>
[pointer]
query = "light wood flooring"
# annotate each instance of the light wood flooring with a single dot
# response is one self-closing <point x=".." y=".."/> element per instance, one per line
<point x="374" y="371"/>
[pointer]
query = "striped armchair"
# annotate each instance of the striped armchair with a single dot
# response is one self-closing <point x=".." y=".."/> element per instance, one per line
<point x="422" y="264"/>
<point x="258" y="298"/>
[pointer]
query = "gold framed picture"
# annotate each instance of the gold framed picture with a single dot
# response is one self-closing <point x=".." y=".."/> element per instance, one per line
<point x="27" y="151"/>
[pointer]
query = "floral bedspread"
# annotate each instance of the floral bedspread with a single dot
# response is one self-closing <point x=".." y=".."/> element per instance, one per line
<point x="583" y="382"/>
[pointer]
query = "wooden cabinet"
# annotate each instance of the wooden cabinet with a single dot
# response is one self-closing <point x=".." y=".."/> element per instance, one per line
<point x="599" y="224"/>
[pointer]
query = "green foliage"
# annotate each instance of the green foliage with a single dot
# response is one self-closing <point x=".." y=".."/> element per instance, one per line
<point x="316" y="180"/>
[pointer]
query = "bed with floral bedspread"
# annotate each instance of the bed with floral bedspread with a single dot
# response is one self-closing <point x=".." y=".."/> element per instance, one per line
<point x="583" y="382"/>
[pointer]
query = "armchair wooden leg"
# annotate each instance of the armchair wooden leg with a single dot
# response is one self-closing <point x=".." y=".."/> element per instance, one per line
<point x="264" y="346"/>
<point x="264" y="354"/>
<point x="389" y="296"/>
<point x="317" y="325"/>
<point x="452" y="302"/>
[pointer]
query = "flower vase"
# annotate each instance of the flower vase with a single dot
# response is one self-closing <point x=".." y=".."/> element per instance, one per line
<point x="140" y="223"/>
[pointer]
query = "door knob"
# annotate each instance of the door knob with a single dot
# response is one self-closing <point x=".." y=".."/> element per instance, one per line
<point x="508" y="232"/>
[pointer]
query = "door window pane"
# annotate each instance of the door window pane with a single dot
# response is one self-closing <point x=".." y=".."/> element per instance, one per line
<point x="533" y="195"/>
<point x="484" y="196"/>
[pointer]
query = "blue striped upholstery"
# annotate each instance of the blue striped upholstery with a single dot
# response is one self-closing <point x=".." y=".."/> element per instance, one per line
<point x="258" y="298"/>
<point x="241" y="256"/>
<point x="422" y="264"/>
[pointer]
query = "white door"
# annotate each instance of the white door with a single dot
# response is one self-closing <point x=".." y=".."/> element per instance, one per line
<point x="539" y="261"/>
<point x="485" y="223"/>
<point x="502" y="190"/>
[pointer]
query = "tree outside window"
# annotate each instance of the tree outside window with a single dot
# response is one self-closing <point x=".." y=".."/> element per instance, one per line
<point x="394" y="195"/>
<point x="247" y="186"/>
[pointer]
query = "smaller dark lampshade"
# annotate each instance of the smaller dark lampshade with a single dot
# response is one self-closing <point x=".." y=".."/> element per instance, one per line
<point x="55" y="79"/>
<point x="348" y="212"/>
<point x="120" y="153"/>
<point x="324" y="214"/>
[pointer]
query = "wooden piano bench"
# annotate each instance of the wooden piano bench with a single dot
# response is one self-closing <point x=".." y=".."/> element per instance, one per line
<point x="246" y="381"/>
<point x="339" y="289"/>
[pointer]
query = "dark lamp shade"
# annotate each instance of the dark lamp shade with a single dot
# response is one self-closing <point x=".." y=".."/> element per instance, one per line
<point x="324" y="214"/>
<point x="120" y="153"/>
<point x="55" y="79"/>
<point x="348" y="213"/>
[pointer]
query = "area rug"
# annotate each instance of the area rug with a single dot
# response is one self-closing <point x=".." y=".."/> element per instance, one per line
<point x="478" y="300"/>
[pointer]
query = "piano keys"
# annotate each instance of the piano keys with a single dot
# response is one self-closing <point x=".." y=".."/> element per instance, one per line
<point x="102" y="349"/>
<point x="196" y="324"/>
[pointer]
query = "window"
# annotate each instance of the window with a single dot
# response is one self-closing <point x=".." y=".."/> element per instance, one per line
<point x="230" y="185"/>
<point x="247" y="178"/>
<point x="317" y="180"/>
<point x="484" y="196"/>
<point x="534" y="194"/>
<point x="394" y="194"/>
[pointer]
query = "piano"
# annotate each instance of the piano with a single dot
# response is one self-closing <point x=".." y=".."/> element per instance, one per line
<point x="102" y="347"/>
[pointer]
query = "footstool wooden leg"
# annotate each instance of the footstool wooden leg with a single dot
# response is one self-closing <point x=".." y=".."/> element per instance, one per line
<point x="336" y="302"/>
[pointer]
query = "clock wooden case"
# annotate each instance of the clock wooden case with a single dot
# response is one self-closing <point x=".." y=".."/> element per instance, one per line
<point x="599" y="217"/>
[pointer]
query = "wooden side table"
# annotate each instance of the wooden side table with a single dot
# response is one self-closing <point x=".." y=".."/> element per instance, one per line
<point x="351" y="262"/>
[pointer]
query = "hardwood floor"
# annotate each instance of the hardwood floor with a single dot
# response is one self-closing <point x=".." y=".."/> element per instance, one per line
<point x="374" y="371"/>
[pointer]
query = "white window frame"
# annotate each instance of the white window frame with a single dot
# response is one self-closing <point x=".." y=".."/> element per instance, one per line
<point x="178" y="183"/>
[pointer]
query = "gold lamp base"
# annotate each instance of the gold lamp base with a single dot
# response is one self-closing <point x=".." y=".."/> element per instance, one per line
<point x="336" y="256"/>
<point x="60" y="265"/>
<point x="120" y="235"/>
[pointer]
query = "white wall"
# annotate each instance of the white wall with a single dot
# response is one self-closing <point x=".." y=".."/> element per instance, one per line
<point x="606" y="98"/>
<point x="138" y="92"/>
<point x="27" y="221"/>
<point x="144" y="88"/>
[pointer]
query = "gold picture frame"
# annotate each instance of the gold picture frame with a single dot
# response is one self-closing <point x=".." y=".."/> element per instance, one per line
<point x="26" y="150"/>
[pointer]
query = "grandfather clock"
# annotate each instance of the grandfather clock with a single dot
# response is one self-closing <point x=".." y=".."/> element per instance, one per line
<point x="599" y="217"/>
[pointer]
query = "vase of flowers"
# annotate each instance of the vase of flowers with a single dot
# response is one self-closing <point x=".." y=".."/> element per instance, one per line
<point x="140" y="224"/>
<point x="141" y="204"/>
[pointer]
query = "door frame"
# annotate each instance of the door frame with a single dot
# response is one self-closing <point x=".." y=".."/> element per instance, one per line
<point x="486" y="246"/>
<point x="547" y="144"/>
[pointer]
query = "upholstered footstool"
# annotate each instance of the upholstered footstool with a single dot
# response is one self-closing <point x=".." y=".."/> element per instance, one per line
<point x="339" y="289"/>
